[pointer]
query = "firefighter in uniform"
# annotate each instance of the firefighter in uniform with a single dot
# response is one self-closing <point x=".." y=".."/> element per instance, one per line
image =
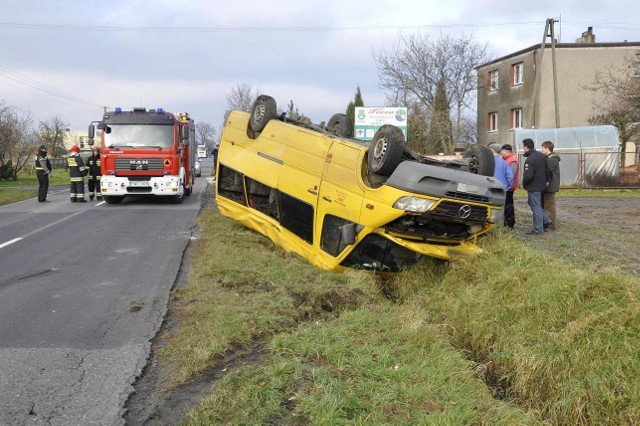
<point x="93" y="183"/>
<point x="43" y="171"/>
<point x="77" y="172"/>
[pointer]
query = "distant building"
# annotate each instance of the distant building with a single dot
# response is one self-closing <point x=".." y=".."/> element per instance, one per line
<point x="77" y="137"/>
<point x="508" y="98"/>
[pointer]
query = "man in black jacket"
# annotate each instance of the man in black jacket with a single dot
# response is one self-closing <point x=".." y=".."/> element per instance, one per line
<point x="553" y="186"/>
<point x="534" y="180"/>
<point x="43" y="171"/>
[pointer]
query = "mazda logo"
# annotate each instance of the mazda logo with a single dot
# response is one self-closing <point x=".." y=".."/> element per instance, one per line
<point x="464" y="211"/>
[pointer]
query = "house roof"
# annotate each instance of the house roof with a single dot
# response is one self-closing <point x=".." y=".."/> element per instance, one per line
<point x="562" y="46"/>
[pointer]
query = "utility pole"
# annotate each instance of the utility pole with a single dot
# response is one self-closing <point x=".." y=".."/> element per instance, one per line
<point x="534" y="102"/>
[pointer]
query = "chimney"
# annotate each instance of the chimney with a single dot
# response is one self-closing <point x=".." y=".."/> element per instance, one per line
<point x="588" y="37"/>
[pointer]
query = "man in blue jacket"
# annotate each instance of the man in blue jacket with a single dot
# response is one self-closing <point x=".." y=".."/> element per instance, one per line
<point x="534" y="180"/>
<point x="501" y="171"/>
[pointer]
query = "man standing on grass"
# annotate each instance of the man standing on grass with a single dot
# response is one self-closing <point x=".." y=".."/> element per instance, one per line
<point x="534" y="180"/>
<point x="553" y="186"/>
<point x="507" y="154"/>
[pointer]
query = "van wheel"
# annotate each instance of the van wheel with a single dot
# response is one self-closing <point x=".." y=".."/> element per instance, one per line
<point x="112" y="199"/>
<point x="480" y="159"/>
<point x="385" y="152"/>
<point x="341" y="125"/>
<point x="262" y="111"/>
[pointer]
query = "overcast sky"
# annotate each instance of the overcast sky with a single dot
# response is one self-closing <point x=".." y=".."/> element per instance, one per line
<point x="72" y="58"/>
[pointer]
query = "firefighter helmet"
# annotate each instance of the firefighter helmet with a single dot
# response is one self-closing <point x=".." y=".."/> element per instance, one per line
<point x="75" y="149"/>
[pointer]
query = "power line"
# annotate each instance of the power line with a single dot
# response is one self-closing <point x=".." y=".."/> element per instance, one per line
<point x="39" y="87"/>
<point x="192" y="29"/>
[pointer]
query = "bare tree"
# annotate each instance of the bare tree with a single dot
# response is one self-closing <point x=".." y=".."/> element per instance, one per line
<point x="618" y="103"/>
<point x="241" y="97"/>
<point x="414" y="66"/>
<point x="18" y="140"/>
<point x="206" y="135"/>
<point x="52" y="132"/>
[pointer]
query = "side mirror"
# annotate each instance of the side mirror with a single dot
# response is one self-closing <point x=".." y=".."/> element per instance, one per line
<point x="185" y="135"/>
<point x="348" y="232"/>
<point x="92" y="133"/>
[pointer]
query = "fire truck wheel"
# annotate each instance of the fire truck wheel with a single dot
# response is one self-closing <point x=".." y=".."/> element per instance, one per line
<point x="177" y="199"/>
<point x="112" y="199"/>
<point x="262" y="111"/>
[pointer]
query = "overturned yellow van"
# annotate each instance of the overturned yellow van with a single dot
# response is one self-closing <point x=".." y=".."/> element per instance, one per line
<point x="339" y="202"/>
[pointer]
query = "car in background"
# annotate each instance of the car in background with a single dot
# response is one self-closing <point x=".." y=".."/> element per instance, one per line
<point x="340" y="202"/>
<point x="197" y="168"/>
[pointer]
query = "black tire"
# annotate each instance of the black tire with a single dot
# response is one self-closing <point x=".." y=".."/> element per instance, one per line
<point x="112" y="199"/>
<point x="341" y="125"/>
<point x="481" y="161"/>
<point x="177" y="199"/>
<point x="385" y="152"/>
<point x="262" y="111"/>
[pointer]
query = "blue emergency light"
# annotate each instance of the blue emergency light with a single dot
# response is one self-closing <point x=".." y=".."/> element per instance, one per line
<point x="160" y="110"/>
<point x="118" y="110"/>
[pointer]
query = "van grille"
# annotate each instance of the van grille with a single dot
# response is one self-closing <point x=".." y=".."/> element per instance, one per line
<point x="452" y="211"/>
<point x="466" y="196"/>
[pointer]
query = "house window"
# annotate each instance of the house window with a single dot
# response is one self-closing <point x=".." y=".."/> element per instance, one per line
<point x="492" y="122"/>
<point x="516" y="118"/>
<point x="517" y="71"/>
<point x="493" y="81"/>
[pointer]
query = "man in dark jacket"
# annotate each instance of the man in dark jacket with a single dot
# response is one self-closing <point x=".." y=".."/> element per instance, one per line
<point x="534" y="180"/>
<point x="43" y="171"/>
<point x="77" y="172"/>
<point x="553" y="185"/>
<point x="93" y="162"/>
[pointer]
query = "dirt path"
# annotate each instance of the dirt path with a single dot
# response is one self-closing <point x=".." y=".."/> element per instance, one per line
<point x="592" y="232"/>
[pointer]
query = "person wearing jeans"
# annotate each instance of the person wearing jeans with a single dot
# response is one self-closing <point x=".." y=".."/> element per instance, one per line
<point x="534" y="181"/>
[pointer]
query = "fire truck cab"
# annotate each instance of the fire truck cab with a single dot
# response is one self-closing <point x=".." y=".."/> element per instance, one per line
<point x="146" y="152"/>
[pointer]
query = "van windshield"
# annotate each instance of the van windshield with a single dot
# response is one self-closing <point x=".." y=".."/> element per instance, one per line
<point x="138" y="136"/>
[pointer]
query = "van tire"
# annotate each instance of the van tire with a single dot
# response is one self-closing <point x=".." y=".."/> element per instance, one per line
<point x="341" y="125"/>
<point x="481" y="161"/>
<point x="262" y="111"/>
<point x="385" y="152"/>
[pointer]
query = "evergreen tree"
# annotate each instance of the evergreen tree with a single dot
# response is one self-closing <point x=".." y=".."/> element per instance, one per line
<point x="440" y="137"/>
<point x="356" y="102"/>
<point x="292" y="111"/>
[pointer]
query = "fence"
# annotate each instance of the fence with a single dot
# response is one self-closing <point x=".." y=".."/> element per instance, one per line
<point x="592" y="168"/>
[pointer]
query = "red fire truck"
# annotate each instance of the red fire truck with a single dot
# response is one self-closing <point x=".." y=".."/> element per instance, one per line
<point x="146" y="152"/>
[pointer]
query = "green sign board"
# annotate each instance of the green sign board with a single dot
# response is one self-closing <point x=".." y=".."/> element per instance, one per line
<point x="369" y="119"/>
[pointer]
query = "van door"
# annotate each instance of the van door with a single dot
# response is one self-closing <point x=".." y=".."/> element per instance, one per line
<point x="299" y="181"/>
<point x="341" y="195"/>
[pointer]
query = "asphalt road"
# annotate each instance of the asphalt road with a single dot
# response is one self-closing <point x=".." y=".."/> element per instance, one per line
<point x="83" y="289"/>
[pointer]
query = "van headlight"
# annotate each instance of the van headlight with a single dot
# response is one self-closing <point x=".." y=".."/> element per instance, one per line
<point x="413" y="204"/>
<point x="495" y="215"/>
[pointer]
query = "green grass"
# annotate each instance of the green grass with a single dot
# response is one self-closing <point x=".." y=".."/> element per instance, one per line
<point x="513" y="336"/>
<point x="12" y="195"/>
<point x="12" y="191"/>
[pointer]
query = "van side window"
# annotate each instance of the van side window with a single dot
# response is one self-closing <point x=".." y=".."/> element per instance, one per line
<point x="262" y="198"/>
<point x="231" y="185"/>
<point x="331" y="238"/>
<point x="296" y="216"/>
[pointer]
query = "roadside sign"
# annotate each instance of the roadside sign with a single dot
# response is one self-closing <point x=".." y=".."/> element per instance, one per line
<point x="369" y="119"/>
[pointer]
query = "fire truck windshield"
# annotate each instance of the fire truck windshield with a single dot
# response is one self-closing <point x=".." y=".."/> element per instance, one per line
<point x="138" y="136"/>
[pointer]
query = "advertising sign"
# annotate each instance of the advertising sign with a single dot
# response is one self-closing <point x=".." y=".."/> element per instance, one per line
<point x="369" y="119"/>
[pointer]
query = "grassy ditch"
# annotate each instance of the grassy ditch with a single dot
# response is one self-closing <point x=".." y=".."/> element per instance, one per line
<point x="513" y="336"/>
